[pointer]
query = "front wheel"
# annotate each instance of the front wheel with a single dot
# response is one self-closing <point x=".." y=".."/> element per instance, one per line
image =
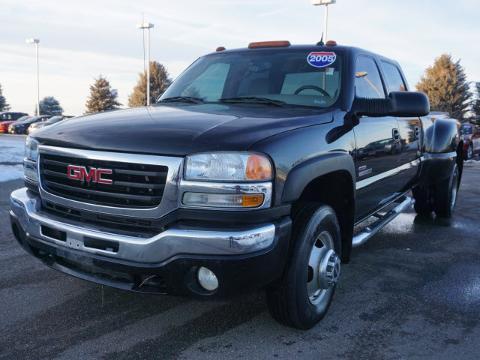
<point x="304" y="295"/>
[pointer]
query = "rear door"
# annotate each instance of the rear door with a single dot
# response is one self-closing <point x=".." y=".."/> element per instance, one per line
<point x="377" y="143"/>
<point x="409" y="128"/>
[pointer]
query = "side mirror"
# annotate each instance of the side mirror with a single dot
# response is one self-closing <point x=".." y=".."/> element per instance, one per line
<point x="398" y="103"/>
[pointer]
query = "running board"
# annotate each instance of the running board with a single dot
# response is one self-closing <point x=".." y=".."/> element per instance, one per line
<point x="383" y="220"/>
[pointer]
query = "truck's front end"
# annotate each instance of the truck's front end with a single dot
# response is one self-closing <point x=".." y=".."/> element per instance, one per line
<point x="176" y="198"/>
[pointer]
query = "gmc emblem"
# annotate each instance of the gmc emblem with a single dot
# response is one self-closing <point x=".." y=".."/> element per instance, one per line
<point x="80" y="173"/>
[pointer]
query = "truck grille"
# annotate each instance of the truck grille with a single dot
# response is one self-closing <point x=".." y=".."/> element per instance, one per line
<point x="133" y="185"/>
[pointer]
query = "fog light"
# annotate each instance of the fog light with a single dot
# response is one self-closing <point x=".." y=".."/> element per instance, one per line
<point x="207" y="279"/>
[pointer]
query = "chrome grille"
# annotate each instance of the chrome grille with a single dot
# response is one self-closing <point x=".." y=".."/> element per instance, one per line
<point x="133" y="185"/>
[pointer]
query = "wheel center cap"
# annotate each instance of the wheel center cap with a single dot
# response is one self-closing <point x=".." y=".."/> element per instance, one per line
<point x="329" y="269"/>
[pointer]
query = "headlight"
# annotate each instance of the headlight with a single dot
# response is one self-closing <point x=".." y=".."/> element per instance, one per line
<point x="228" y="167"/>
<point x="227" y="180"/>
<point x="30" y="162"/>
<point x="31" y="149"/>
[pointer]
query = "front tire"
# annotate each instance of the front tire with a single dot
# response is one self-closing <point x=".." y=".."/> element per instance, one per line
<point x="306" y="291"/>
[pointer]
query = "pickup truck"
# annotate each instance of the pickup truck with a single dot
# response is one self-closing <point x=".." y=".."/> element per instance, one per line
<point x="258" y="168"/>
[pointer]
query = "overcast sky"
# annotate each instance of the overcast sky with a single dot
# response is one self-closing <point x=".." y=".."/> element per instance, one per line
<point x="82" y="39"/>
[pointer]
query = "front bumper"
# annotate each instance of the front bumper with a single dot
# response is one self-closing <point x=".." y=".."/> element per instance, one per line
<point x="242" y="258"/>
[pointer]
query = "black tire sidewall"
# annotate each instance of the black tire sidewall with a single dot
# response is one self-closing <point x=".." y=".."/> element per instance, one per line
<point x="322" y="219"/>
<point x="444" y="193"/>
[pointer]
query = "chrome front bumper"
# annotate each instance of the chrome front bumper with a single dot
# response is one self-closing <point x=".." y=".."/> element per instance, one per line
<point x="26" y="209"/>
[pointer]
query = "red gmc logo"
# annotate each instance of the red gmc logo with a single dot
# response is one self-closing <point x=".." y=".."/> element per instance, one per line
<point x="80" y="173"/>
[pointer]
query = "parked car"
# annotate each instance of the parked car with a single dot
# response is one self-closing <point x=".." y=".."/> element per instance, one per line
<point x="244" y="175"/>
<point x="5" y="124"/>
<point x="7" y="118"/>
<point x="41" y="124"/>
<point x="21" y="127"/>
<point x="471" y="139"/>
<point x="11" y="116"/>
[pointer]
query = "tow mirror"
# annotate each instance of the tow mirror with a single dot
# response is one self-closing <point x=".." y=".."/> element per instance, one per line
<point x="398" y="103"/>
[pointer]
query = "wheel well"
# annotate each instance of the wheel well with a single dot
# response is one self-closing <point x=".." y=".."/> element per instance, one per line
<point x="336" y="190"/>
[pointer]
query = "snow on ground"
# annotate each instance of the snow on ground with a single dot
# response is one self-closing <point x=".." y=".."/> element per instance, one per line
<point x="10" y="172"/>
<point x="11" y="157"/>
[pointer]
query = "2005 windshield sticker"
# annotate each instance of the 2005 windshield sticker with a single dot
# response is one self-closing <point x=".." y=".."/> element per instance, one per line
<point x="321" y="59"/>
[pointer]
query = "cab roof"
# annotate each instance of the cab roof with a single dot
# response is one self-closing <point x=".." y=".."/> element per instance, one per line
<point x="341" y="49"/>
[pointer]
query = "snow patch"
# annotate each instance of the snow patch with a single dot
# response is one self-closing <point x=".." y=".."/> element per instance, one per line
<point x="10" y="172"/>
<point x="12" y="150"/>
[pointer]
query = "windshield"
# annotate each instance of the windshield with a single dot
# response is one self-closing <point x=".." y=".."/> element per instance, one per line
<point x="297" y="78"/>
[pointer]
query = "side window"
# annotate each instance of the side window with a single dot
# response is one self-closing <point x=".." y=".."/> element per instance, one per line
<point x="210" y="83"/>
<point x="393" y="77"/>
<point x="368" y="83"/>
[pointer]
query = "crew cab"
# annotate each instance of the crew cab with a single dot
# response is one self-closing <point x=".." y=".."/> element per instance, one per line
<point x="251" y="171"/>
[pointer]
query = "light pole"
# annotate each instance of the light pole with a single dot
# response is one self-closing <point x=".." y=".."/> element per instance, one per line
<point x="324" y="3"/>
<point x="147" y="26"/>
<point x="36" y="42"/>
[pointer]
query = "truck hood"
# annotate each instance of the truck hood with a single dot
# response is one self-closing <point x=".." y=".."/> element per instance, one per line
<point x="179" y="130"/>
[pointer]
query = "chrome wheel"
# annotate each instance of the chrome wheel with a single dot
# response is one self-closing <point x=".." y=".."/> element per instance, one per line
<point x="323" y="270"/>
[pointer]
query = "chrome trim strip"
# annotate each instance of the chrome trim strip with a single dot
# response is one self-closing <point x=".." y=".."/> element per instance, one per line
<point x="264" y="188"/>
<point x="170" y="198"/>
<point x="174" y="241"/>
<point x="373" y="179"/>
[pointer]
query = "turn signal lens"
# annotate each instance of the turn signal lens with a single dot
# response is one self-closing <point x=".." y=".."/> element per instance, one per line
<point x="252" y="200"/>
<point x="258" y="168"/>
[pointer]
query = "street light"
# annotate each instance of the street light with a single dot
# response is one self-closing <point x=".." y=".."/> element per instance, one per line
<point x="324" y="3"/>
<point x="36" y="42"/>
<point x="147" y="26"/>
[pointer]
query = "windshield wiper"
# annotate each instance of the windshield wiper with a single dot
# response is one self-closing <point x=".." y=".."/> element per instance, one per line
<point x="185" y="99"/>
<point x="253" y="100"/>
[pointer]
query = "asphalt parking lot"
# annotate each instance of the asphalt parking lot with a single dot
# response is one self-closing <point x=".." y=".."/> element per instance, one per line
<point x="412" y="292"/>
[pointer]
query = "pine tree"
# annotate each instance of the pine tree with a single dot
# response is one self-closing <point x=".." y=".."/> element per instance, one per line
<point x="50" y="106"/>
<point x="159" y="82"/>
<point x="102" y="97"/>
<point x="446" y="85"/>
<point x="476" y="104"/>
<point x="3" y="102"/>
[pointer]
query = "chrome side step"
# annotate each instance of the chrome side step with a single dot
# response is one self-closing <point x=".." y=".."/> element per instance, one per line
<point x="365" y="235"/>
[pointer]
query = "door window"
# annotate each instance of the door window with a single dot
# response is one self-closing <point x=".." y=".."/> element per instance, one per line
<point x="393" y="77"/>
<point x="368" y="83"/>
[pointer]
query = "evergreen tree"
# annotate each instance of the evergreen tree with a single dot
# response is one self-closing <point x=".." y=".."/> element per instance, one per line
<point x="3" y="102"/>
<point x="102" y="97"/>
<point x="446" y="85"/>
<point x="476" y="104"/>
<point x="50" y="106"/>
<point x="159" y="82"/>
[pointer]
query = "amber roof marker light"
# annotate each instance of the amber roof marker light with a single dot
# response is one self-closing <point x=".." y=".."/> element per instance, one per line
<point x="269" y="44"/>
<point x="324" y="3"/>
